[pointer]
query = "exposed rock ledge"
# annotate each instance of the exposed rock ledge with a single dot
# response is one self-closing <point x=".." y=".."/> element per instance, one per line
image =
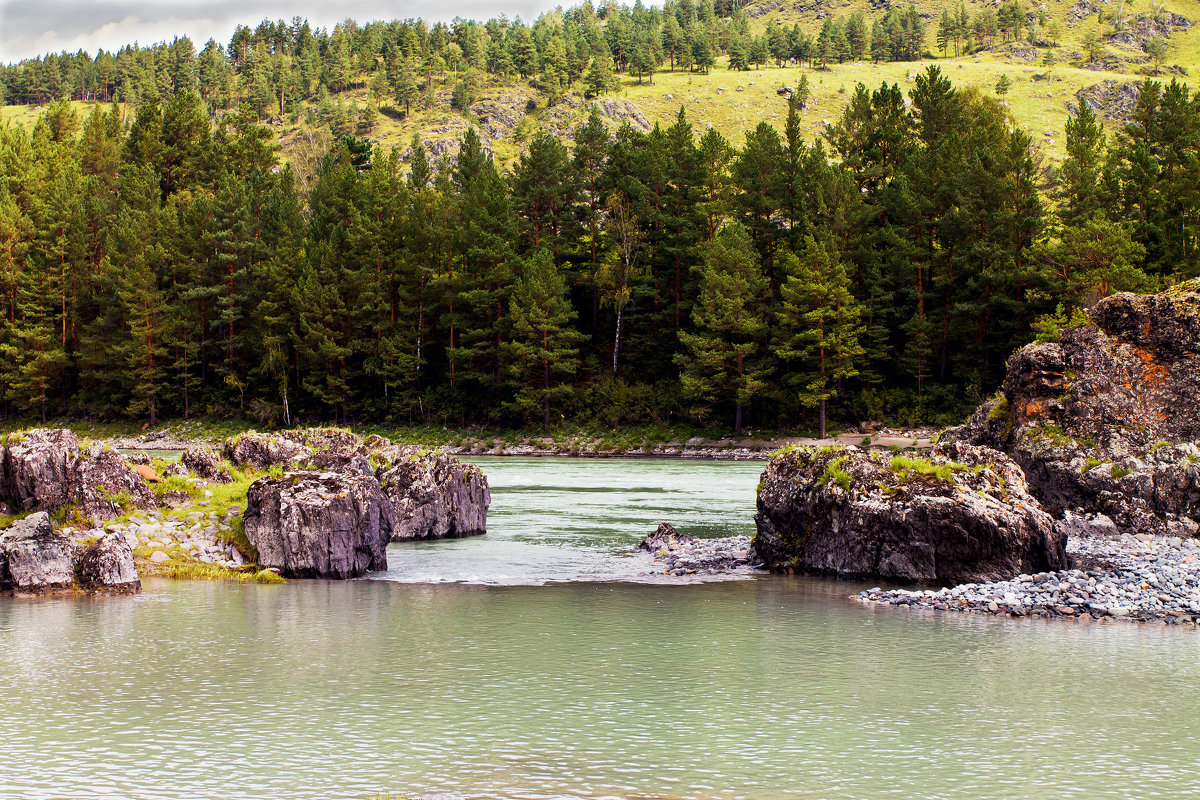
<point x="963" y="515"/>
<point x="1106" y="419"/>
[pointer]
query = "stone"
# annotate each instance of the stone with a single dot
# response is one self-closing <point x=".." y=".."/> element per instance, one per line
<point x="158" y="557"/>
<point x="104" y="486"/>
<point x="206" y="463"/>
<point x="37" y="468"/>
<point x="34" y="557"/>
<point x="435" y="496"/>
<point x="260" y="450"/>
<point x="1105" y="420"/>
<point x="106" y="564"/>
<point x="666" y="538"/>
<point x="964" y="515"/>
<point x="310" y="524"/>
<point x="138" y="459"/>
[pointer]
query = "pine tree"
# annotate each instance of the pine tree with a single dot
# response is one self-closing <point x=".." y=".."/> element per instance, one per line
<point x="543" y="349"/>
<point x="601" y="78"/>
<point x="818" y="325"/>
<point x="725" y="359"/>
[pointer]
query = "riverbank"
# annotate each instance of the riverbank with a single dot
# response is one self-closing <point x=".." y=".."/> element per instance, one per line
<point x="1119" y="577"/>
<point x="647" y="441"/>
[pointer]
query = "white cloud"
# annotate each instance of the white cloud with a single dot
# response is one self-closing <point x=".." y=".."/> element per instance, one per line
<point x="29" y="29"/>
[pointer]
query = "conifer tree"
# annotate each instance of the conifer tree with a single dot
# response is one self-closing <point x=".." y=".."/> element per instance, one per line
<point x="817" y="325"/>
<point x="543" y="349"/>
<point x="725" y="360"/>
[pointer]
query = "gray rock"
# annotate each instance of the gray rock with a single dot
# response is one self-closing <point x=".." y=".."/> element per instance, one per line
<point x="666" y="538"/>
<point x="206" y="463"/>
<point x="436" y="496"/>
<point x="37" y="468"/>
<point x="34" y="557"/>
<point x="310" y="524"/>
<point x="849" y="513"/>
<point x="104" y="486"/>
<point x="261" y="450"/>
<point x="106" y="563"/>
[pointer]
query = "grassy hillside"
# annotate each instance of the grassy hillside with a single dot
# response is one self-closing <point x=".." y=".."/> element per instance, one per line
<point x="734" y="102"/>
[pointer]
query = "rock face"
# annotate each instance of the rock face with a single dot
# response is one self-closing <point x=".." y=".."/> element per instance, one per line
<point x="435" y="496"/>
<point x="1104" y="421"/>
<point x="260" y="450"/>
<point x="310" y="524"/>
<point x="962" y="516"/>
<point x="106" y="564"/>
<point x="205" y="462"/>
<point x="34" y="557"/>
<point x="37" y="468"/>
<point x="104" y="486"/>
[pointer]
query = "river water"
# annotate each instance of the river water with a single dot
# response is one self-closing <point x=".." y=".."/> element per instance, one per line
<point x="523" y="683"/>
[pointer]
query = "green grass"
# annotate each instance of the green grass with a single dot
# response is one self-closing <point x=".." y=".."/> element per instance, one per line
<point x="908" y="468"/>
<point x="834" y="472"/>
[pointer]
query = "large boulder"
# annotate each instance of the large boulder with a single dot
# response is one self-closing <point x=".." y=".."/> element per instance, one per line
<point x="261" y="450"/>
<point x="206" y="463"/>
<point x="310" y="524"/>
<point x="435" y="495"/>
<point x="963" y="515"/>
<point x="106" y="564"/>
<point x="1105" y="420"/>
<point x="37" y="468"/>
<point x="104" y="486"/>
<point x="34" y="557"/>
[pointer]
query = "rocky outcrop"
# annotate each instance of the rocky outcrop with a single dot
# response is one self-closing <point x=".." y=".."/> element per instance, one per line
<point x="38" y="468"/>
<point x="34" y="557"/>
<point x="435" y="496"/>
<point x="310" y="524"/>
<point x="45" y="469"/>
<point x="104" y="486"/>
<point x="962" y="515"/>
<point x="1105" y="420"/>
<point x="206" y="463"/>
<point x="261" y="450"/>
<point x="106" y="564"/>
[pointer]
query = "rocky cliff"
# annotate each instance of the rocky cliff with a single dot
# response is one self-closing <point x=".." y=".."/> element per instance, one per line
<point x="962" y="515"/>
<point x="1104" y="421"/>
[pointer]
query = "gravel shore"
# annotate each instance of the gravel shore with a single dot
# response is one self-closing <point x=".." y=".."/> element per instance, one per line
<point x="706" y="557"/>
<point x="1124" y="578"/>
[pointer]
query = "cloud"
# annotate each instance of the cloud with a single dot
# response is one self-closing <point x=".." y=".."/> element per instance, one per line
<point x="28" y="28"/>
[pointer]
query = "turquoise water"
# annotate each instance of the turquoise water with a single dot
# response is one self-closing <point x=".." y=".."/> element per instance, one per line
<point x="768" y="688"/>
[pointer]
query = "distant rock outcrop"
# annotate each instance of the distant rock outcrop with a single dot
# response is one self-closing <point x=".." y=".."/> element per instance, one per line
<point x="961" y="516"/>
<point x="260" y="450"/>
<point x="310" y="524"/>
<point x="206" y="463"/>
<point x="1106" y="419"/>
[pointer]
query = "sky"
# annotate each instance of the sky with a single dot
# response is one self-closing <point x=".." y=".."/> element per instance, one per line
<point x="32" y="27"/>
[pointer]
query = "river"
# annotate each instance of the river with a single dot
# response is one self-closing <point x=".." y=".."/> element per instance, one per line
<point x="516" y="676"/>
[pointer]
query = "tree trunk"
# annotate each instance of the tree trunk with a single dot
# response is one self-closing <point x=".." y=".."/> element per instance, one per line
<point x="737" y="418"/>
<point x="822" y="436"/>
<point x="617" y="339"/>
